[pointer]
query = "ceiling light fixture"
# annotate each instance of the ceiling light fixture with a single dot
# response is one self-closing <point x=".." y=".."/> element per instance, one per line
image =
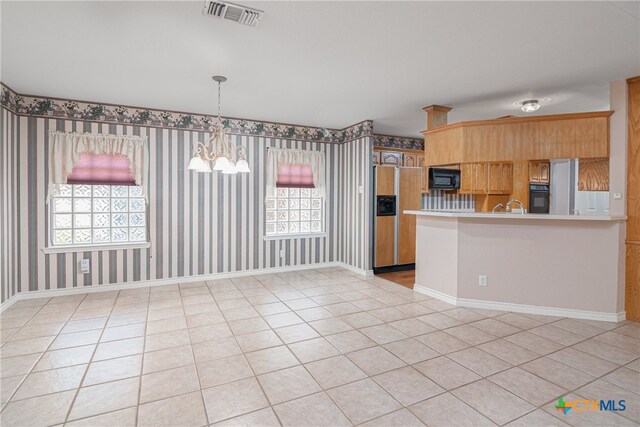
<point x="530" y="106"/>
<point x="218" y="149"/>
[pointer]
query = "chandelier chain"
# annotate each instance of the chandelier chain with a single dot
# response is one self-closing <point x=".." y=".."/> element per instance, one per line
<point x="219" y="96"/>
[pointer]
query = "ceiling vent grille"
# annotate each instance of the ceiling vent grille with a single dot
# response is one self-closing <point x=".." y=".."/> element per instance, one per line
<point x="232" y="12"/>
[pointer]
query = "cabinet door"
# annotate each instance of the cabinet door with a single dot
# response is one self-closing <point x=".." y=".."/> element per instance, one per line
<point x="390" y="158"/>
<point x="376" y="157"/>
<point x="409" y="160"/>
<point x="495" y="178"/>
<point x="507" y="178"/>
<point x="480" y="182"/>
<point x="534" y="172"/>
<point x="467" y="172"/>
<point x="545" y="172"/>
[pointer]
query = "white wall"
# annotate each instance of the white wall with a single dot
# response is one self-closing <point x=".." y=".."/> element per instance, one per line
<point x="618" y="152"/>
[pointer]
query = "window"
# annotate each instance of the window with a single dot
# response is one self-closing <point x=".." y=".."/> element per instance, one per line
<point x="294" y="211"/>
<point x="97" y="215"/>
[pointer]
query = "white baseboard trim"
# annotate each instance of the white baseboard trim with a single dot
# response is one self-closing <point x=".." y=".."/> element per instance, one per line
<point x="175" y="280"/>
<point x="522" y="308"/>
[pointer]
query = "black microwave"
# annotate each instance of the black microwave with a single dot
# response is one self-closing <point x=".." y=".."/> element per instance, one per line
<point x="444" y="179"/>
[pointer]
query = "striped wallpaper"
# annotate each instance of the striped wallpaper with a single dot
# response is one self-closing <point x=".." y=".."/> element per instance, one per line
<point x="199" y="224"/>
<point x="441" y="200"/>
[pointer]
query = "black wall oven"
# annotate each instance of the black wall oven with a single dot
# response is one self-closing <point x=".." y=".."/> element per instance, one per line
<point x="539" y="198"/>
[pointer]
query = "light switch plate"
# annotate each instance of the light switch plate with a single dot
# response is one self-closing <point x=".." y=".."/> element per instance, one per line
<point x="617" y="196"/>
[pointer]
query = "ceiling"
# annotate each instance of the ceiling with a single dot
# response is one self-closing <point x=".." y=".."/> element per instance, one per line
<point x="328" y="64"/>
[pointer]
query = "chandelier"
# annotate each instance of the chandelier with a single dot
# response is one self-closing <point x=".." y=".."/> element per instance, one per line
<point x="226" y="157"/>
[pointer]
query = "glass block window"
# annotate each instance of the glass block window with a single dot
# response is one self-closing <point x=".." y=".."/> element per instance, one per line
<point x="294" y="211"/>
<point x="97" y="214"/>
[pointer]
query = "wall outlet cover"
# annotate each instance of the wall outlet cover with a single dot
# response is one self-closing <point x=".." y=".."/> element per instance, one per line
<point x="482" y="280"/>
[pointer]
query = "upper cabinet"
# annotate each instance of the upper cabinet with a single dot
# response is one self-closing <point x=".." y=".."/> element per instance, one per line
<point x="486" y="178"/>
<point x="410" y="160"/>
<point x="593" y="174"/>
<point x="539" y="172"/>
<point x="390" y="158"/>
<point x="583" y="135"/>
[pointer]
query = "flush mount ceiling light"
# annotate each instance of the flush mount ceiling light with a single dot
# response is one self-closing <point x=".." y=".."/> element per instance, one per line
<point x="530" y="106"/>
<point x="226" y="157"/>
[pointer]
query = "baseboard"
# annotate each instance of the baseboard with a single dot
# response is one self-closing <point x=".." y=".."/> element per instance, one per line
<point x="522" y="308"/>
<point x="174" y="280"/>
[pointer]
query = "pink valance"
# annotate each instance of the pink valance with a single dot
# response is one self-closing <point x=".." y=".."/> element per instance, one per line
<point x="295" y="175"/>
<point x="101" y="169"/>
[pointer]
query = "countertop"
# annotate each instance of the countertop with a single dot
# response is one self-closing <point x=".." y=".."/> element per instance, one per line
<point x="512" y="216"/>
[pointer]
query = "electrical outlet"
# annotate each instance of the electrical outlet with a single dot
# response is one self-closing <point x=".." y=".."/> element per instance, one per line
<point x="617" y="196"/>
<point x="482" y="280"/>
<point x="85" y="266"/>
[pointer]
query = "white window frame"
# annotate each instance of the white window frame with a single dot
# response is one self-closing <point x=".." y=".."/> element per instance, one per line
<point x="82" y="247"/>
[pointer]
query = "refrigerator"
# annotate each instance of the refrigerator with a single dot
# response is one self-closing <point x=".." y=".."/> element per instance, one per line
<point x="396" y="189"/>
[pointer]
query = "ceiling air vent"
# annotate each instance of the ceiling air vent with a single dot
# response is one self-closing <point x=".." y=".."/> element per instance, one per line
<point x="232" y="12"/>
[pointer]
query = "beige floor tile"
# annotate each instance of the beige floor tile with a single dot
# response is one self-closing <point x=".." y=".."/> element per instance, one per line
<point x="446" y="410"/>
<point x="442" y="342"/>
<point x="363" y="400"/>
<point x="314" y="313"/>
<point x="389" y="314"/>
<point x="119" y="348"/>
<point x="580" y="328"/>
<point x="412" y="327"/>
<point x="301" y="303"/>
<point x="272" y="308"/>
<point x="314" y="349"/>
<point x="246" y="326"/>
<point x="315" y="410"/>
<point x="558" y="335"/>
<point x="613" y="392"/>
<point x="271" y="359"/>
<point x="605" y="351"/>
<point x="204" y="319"/>
<point x="509" y="351"/>
<point x="233" y="399"/>
<point x="232" y="303"/>
<point x="107" y="397"/>
<point x="495" y="327"/>
<point x="519" y="321"/>
<point x="19" y="365"/>
<point x="163" y="384"/>
<point x="439" y="320"/>
<point x="209" y="332"/>
<point x="330" y="326"/>
<point x="626" y="378"/>
<point x="635" y="365"/>
<point x="185" y="410"/>
<point x="414" y="309"/>
<point x="52" y="381"/>
<point x="8" y="386"/>
<point x="37" y="331"/>
<point x="630" y="329"/>
<point x="211" y="350"/>
<point x="334" y="372"/>
<point x="124" y="332"/>
<point x="169" y="358"/>
<point x="402" y="418"/>
<point x="166" y="325"/>
<point x="565" y="376"/>
<point x="288" y="384"/>
<point x="164" y="313"/>
<point x="470" y="334"/>
<point x="530" y="387"/>
<point x="369" y="304"/>
<point x="349" y="341"/>
<point x="533" y="342"/>
<point x="537" y="418"/>
<point x="240" y="313"/>
<point x="588" y="418"/>
<point x="383" y="334"/>
<point x="22" y="347"/>
<point x="260" y="418"/>
<point x="360" y="320"/>
<point x="126" y="318"/>
<point x="38" y="411"/>
<point x="113" y="369"/>
<point x="446" y="373"/>
<point x="221" y="371"/>
<point x="122" y="418"/>
<point x="208" y="308"/>
<point x="493" y="402"/>
<point x="411" y="351"/>
<point x="327" y="299"/>
<point x="295" y="333"/>
<point x="283" y="319"/>
<point x="624" y="342"/>
<point x="342" y="308"/>
<point x="258" y="340"/>
<point x="585" y="362"/>
<point x="167" y="340"/>
<point x="407" y="385"/>
<point x="479" y="361"/>
<point x="375" y="360"/>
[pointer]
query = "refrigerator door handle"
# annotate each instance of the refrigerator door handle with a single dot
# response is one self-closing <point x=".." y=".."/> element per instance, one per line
<point x="396" y="188"/>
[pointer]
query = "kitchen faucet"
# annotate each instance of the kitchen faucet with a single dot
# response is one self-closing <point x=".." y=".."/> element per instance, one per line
<point x="498" y="206"/>
<point x="508" y="207"/>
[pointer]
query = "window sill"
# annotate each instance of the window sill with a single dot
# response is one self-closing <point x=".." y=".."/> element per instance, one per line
<point x="95" y="248"/>
<point x="293" y="236"/>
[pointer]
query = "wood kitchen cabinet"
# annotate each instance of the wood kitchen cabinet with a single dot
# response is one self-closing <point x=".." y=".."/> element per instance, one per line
<point x="486" y="178"/>
<point x="539" y="172"/>
<point x="410" y="160"/>
<point x="390" y="158"/>
<point x="376" y="157"/>
<point x="593" y="174"/>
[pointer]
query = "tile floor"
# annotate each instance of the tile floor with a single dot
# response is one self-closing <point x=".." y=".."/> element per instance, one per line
<point x="317" y="347"/>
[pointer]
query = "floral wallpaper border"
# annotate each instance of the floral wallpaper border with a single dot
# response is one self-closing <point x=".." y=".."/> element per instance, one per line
<point x="390" y="141"/>
<point x="124" y="115"/>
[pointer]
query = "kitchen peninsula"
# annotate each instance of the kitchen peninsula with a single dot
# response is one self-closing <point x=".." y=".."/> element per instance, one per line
<point x="562" y="265"/>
